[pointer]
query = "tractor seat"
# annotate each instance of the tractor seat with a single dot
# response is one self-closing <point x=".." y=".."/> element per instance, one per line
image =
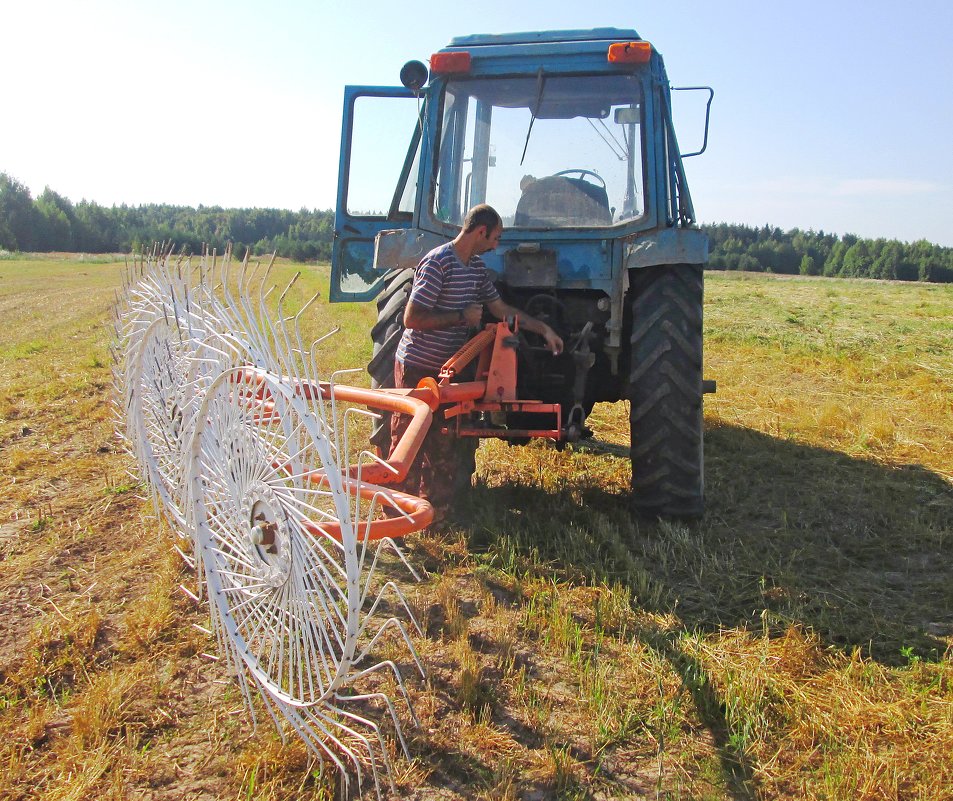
<point x="559" y="201"/>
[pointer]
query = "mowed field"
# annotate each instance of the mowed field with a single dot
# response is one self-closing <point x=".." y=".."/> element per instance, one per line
<point x="794" y="643"/>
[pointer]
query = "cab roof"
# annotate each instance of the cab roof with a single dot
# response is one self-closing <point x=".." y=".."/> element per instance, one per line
<point x="545" y="37"/>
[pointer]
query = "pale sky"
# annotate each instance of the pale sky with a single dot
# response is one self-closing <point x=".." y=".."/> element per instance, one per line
<point x="827" y="115"/>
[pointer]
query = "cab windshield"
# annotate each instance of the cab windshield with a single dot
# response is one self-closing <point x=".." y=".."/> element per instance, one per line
<point x="547" y="151"/>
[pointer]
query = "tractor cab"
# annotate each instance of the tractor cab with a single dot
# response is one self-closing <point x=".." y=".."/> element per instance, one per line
<point x="567" y="134"/>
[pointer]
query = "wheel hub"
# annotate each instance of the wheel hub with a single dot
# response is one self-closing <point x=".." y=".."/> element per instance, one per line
<point x="268" y="542"/>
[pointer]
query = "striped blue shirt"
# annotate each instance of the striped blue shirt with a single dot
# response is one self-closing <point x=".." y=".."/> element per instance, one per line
<point x="443" y="283"/>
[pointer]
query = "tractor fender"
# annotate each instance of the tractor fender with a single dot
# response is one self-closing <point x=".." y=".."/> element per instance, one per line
<point x="668" y="246"/>
<point x="650" y="249"/>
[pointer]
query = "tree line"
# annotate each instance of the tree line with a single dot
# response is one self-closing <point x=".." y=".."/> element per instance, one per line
<point x="769" y="249"/>
<point x="52" y="222"/>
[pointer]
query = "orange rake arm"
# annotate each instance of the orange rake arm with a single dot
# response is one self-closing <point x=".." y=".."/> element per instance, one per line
<point x="413" y="513"/>
<point x="497" y="371"/>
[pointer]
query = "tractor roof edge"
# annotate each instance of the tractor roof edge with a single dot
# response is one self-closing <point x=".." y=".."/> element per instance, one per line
<point x="545" y="37"/>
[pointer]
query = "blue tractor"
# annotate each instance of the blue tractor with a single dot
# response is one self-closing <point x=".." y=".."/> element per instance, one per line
<point x="568" y="135"/>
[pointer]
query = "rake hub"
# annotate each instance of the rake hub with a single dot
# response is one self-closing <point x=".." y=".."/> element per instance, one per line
<point x="270" y="548"/>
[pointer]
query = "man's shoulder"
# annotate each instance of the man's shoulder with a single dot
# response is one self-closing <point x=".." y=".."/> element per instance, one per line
<point x="439" y="255"/>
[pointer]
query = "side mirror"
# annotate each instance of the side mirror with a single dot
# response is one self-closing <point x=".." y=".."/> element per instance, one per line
<point x="413" y="75"/>
<point x="628" y="116"/>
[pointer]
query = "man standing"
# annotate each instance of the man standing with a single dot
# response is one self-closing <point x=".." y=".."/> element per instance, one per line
<point x="449" y="291"/>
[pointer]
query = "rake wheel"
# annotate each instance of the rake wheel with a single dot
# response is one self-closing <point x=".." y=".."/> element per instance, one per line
<point x="247" y="452"/>
<point x="285" y="592"/>
<point x="160" y="409"/>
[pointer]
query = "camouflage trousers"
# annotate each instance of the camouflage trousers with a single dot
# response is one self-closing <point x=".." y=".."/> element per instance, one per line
<point x="444" y="463"/>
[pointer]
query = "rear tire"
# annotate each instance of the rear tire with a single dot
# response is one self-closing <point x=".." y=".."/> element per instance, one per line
<point x="386" y="335"/>
<point x="665" y="391"/>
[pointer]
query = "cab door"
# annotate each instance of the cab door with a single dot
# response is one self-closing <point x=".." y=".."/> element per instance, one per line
<point x="381" y="141"/>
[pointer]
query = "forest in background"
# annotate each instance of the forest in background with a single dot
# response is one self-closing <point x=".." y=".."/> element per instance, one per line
<point x="53" y="223"/>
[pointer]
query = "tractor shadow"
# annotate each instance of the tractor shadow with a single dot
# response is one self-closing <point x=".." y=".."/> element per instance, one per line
<point x="855" y="552"/>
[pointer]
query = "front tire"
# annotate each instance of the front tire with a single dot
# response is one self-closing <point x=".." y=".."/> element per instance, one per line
<point x="386" y="335"/>
<point x="665" y="391"/>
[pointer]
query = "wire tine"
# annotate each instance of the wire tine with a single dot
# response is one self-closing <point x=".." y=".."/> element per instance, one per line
<point x="291" y="283"/>
<point x="308" y="304"/>
<point x="321" y="339"/>
<point x="393" y="621"/>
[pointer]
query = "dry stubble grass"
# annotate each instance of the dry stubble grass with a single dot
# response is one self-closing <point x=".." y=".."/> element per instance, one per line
<point x="102" y="691"/>
<point x="793" y="644"/>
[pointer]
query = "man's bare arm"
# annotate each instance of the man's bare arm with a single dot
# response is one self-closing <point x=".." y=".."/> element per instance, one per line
<point x="500" y="309"/>
<point x="424" y="319"/>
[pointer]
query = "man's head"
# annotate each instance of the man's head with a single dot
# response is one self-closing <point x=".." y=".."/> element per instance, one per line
<point x="486" y="225"/>
<point x="482" y="214"/>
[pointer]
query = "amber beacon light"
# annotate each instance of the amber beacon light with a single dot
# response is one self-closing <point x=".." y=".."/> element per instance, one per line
<point x="630" y="52"/>
<point x="450" y="63"/>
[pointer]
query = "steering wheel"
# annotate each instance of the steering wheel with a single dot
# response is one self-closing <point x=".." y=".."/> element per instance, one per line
<point x="583" y="174"/>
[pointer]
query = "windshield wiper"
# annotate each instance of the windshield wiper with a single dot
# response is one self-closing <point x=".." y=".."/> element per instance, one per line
<point x="540" y="83"/>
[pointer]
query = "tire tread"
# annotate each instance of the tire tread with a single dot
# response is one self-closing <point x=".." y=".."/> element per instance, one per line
<point x="665" y="390"/>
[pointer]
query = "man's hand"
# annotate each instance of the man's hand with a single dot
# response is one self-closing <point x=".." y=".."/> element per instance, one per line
<point x="473" y="315"/>
<point x="502" y="310"/>
<point x="553" y="341"/>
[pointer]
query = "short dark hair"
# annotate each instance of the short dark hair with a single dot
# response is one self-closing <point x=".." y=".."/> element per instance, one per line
<point x="483" y="214"/>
